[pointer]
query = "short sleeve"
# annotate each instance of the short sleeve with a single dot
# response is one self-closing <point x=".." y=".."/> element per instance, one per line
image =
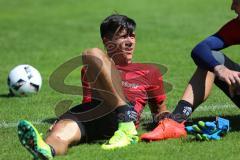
<point x="230" y="33"/>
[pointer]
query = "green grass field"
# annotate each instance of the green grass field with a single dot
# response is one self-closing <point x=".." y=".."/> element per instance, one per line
<point x="47" y="33"/>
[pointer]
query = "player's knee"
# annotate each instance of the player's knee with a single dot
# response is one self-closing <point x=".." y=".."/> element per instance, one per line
<point x="66" y="131"/>
<point x="93" y="57"/>
<point x="93" y="52"/>
<point x="56" y="138"/>
<point x="219" y="57"/>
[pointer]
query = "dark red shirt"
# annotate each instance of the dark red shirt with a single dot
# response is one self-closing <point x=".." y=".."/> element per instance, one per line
<point x="141" y="83"/>
<point x="230" y="32"/>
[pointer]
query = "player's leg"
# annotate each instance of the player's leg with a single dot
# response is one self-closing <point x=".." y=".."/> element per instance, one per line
<point x="196" y="92"/>
<point x="199" y="87"/>
<point x="232" y="92"/>
<point x="106" y="79"/>
<point x="63" y="134"/>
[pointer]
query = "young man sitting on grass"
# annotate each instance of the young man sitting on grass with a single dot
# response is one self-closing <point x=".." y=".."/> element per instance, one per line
<point x="109" y="79"/>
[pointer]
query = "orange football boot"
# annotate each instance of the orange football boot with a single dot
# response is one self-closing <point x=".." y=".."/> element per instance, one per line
<point x="166" y="129"/>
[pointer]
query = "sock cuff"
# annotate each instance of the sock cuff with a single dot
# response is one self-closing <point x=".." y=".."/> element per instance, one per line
<point x="182" y="111"/>
<point x="126" y="113"/>
<point x="185" y="103"/>
<point x="123" y="108"/>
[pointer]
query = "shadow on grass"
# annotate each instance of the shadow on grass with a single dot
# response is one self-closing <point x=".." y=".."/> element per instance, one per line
<point x="6" y="95"/>
<point x="234" y="122"/>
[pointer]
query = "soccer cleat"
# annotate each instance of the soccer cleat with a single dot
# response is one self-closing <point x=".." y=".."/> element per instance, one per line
<point x="33" y="142"/>
<point x="166" y="129"/>
<point x="125" y="135"/>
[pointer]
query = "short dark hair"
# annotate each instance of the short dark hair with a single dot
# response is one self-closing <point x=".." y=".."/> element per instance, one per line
<point x="112" y="23"/>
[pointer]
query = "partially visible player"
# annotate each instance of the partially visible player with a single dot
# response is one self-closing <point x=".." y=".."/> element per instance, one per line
<point x="213" y="68"/>
<point x="111" y="80"/>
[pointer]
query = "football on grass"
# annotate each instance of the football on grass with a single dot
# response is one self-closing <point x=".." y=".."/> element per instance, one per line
<point x="24" y="80"/>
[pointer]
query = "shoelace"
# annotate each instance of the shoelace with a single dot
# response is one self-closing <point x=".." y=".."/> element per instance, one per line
<point x="160" y="125"/>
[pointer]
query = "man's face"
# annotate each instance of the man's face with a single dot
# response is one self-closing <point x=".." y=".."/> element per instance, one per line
<point x="121" y="47"/>
<point x="236" y="6"/>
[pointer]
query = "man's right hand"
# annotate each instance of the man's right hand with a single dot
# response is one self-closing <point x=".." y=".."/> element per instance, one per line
<point x="232" y="78"/>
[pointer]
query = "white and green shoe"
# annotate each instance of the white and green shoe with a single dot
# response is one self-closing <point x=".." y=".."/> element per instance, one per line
<point x="33" y="142"/>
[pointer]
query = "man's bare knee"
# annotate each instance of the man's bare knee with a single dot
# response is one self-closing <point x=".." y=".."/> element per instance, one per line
<point x="95" y="60"/>
<point x="66" y="131"/>
<point x="92" y="53"/>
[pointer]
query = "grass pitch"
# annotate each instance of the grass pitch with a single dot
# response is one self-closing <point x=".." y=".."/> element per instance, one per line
<point x="45" y="34"/>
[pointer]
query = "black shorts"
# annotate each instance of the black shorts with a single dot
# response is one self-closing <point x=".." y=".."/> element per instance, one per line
<point x="100" y="128"/>
<point x="223" y="59"/>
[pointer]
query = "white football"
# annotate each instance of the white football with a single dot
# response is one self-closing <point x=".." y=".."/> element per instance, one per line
<point x="24" y="80"/>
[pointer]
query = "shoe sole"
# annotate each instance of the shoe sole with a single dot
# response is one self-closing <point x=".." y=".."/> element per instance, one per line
<point x="134" y="140"/>
<point x="183" y="135"/>
<point x="28" y="137"/>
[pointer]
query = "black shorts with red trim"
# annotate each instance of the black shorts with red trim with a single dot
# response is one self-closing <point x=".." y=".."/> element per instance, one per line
<point x="100" y="128"/>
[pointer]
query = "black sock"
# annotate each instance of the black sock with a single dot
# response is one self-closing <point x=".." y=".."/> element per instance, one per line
<point x="126" y="113"/>
<point x="182" y="111"/>
<point x="52" y="150"/>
